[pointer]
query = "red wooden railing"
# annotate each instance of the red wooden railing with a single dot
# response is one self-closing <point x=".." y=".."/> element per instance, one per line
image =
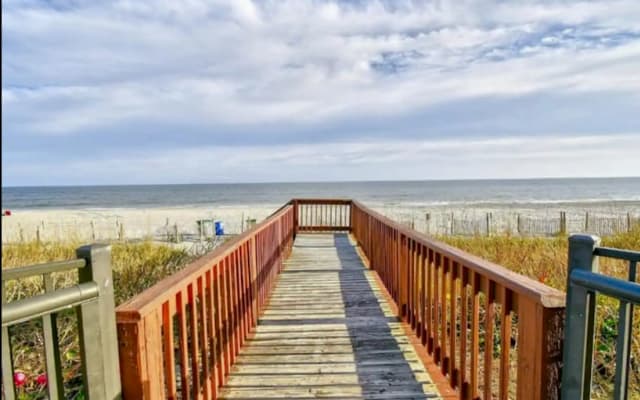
<point x="182" y="335"/>
<point x="318" y="215"/>
<point x="457" y="304"/>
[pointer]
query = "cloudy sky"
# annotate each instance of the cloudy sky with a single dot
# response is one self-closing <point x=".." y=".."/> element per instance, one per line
<point x="115" y="92"/>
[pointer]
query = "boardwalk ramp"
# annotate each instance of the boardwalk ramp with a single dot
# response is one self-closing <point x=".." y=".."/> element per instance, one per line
<point x="328" y="332"/>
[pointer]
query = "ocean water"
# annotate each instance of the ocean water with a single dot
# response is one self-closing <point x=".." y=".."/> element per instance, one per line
<point x="532" y="193"/>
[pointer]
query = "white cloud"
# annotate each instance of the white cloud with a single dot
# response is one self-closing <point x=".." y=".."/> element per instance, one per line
<point x="84" y="67"/>
<point x="507" y="157"/>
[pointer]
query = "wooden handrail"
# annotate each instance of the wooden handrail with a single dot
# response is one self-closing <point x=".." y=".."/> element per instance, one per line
<point x="322" y="215"/>
<point x="184" y="333"/>
<point x="443" y="293"/>
<point x="199" y="318"/>
<point x="145" y="302"/>
<point x="537" y="291"/>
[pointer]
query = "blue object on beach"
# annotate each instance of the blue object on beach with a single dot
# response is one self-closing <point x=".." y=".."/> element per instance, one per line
<point x="219" y="228"/>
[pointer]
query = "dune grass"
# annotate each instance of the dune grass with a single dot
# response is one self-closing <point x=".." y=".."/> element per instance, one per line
<point x="136" y="266"/>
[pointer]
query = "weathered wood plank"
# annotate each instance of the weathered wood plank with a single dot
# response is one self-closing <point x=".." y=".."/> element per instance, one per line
<point x="327" y="332"/>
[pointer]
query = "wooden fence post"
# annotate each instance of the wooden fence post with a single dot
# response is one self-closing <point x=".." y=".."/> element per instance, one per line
<point x="175" y="233"/>
<point x="451" y="228"/>
<point x="518" y="222"/>
<point x="586" y="221"/>
<point x="489" y="224"/>
<point x="629" y="225"/>
<point x="563" y="222"/>
<point x="428" y="222"/>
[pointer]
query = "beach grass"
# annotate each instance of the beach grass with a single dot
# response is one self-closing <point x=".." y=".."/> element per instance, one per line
<point x="137" y="266"/>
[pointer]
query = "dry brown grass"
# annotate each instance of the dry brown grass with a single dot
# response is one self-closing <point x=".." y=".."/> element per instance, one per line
<point x="136" y="266"/>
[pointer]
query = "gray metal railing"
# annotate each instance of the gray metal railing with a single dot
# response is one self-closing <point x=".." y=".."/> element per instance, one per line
<point x="93" y="300"/>
<point x="584" y="282"/>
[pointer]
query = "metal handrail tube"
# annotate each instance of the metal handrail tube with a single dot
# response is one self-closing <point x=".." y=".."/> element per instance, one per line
<point x="47" y="303"/>
<point x="39" y="269"/>
<point x="619" y="254"/>
<point x="607" y="285"/>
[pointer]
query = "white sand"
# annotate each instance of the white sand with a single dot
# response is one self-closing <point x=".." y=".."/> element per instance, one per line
<point x="105" y="223"/>
<point x="99" y="224"/>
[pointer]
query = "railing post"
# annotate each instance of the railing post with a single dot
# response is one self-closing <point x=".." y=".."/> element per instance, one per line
<point x="140" y="342"/>
<point x="254" y="281"/>
<point x="540" y="334"/>
<point x="578" y="344"/>
<point x="295" y="218"/>
<point x="97" y="326"/>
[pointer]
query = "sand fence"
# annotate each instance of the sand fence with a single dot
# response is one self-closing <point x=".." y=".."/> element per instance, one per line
<point x="181" y="224"/>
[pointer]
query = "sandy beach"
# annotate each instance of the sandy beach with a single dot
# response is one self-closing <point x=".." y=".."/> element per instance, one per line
<point x="156" y="222"/>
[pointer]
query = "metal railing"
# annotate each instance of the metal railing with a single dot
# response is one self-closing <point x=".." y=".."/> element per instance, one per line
<point x="584" y="283"/>
<point x="93" y="300"/>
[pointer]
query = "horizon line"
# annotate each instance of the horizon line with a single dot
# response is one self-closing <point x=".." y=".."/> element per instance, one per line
<point x="327" y="181"/>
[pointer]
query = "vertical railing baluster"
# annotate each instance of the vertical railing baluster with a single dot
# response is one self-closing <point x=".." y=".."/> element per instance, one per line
<point x="212" y="335"/>
<point x="489" y="322"/>
<point x="181" y="306"/>
<point x="430" y="306"/>
<point x="7" y="356"/>
<point x="168" y="310"/>
<point x="623" y="344"/>
<point x="464" y="280"/>
<point x="453" y="300"/>
<point x="221" y="361"/>
<point x="203" y="312"/>
<point x="475" y="333"/>
<point x="55" y="386"/>
<point x="193" y="336"/>
<point x="505" y="342"/>
<point x="436" y="309"/>
<point x="444" y="359"/>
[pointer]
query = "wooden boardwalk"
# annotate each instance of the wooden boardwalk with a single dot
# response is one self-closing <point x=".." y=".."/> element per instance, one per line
<point x="328" y="332"/>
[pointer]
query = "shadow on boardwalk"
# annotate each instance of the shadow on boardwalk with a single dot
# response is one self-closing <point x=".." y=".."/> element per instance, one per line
<point x="325" y="334"/>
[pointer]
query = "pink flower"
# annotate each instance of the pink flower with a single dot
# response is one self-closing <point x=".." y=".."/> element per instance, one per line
<point x="42" y="379"/>
<point x="19" y="379"/>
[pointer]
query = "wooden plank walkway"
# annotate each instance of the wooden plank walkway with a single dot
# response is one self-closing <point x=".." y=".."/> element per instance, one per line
<point x="328" y="332"/>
